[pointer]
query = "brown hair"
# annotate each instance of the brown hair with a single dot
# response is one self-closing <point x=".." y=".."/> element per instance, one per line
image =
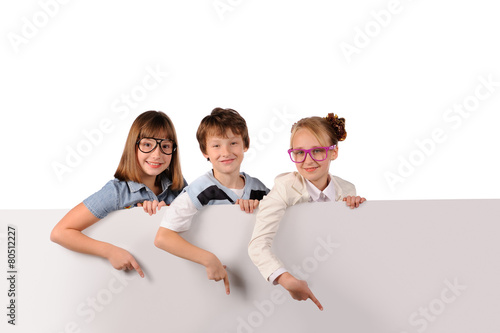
<point x="149" y="124"/>
<point x="331" y="126"/>
<point x="217" y="124"/>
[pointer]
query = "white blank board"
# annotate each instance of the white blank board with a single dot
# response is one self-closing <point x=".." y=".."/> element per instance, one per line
<point x="388" y="267"/>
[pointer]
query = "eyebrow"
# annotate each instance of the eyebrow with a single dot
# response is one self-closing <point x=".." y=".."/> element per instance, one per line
<point x="308" y="148"/>
<point x="214" y="138"/>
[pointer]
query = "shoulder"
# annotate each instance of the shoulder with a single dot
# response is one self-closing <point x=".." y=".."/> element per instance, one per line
<point x="201" y="182"/>
<point x="290" y="187"/>
<point x="204" y="185"/>
<point x="255" y="183"/>
<point x="287" y="176"/>
<point x="106" y="199"/>
<point x="289" y="179"/>
<point x="114" y="185"/>
<point x="342" y="182"/>
<point x="346" y="188"/>
<point x="118" y="191"/>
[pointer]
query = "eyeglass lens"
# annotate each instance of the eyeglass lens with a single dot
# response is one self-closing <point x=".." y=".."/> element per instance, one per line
<point x="147" y="145"/>
<point x="317" y="154"/>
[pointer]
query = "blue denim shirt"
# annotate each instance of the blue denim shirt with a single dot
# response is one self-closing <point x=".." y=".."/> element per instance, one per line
<point x="117" y="194"/>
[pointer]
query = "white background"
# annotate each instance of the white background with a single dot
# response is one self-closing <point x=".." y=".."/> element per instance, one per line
<point x="66" y="67"/>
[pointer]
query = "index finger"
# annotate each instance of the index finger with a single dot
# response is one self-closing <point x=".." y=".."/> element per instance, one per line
<point x="154" y="207"/>
<point x="137" y="268"/>
<point x="161" y="204"/>
<point x="226" y="282"/>
<point x="315" y="300"/>
<point x="248" y="206"/>
<point x="348" y="201"/>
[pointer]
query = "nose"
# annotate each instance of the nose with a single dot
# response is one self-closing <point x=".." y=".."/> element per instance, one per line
<point x="156" y="152"/>
<point x="308" y="158"/>
<point x="225" y="150"/>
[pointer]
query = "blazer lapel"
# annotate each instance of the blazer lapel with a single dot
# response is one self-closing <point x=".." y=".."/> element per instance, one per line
<point x="338" y="189"/>
<point x="300" y="190"/>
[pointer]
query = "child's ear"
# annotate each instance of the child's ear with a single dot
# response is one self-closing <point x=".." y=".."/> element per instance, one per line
<point x="245" y="150"/>
<point x="206" y="156"/>
<point x="335" y="153"/>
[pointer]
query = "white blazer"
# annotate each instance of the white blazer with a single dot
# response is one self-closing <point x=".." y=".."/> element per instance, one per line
<point x="289" y="189"/>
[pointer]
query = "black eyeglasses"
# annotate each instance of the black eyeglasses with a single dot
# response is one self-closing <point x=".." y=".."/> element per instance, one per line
<point x="147" y="145"/>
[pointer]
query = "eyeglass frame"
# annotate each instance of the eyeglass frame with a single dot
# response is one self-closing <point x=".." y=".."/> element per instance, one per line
<point x="308" y="151"/>
<point x="158" y="141"/>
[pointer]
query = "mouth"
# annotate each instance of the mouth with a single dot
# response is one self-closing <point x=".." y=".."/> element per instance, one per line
<point x="227" y="161"/>
<point x="154" y="165"/>
<point x="310" y="169"/>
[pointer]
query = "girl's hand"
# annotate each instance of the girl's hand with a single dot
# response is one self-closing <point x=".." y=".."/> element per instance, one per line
<point x="247" y="205"/>
<point x="122" y="260"/>
<point x="151" y="207"/>
<point x="353" y="201"/>
<point x="216" y="271"/>
<point x="298" y="289"/>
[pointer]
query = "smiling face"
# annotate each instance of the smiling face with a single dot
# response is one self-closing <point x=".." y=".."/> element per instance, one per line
<point x="314" y="171"/>
<point x="226" y="155"/>
<point x="153" y="163"/>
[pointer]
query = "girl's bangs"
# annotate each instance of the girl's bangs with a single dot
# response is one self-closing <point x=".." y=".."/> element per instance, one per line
<point x="157" y="130"/>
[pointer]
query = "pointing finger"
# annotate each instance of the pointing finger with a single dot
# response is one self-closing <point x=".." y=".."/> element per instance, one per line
<point x="137" y="268"/>
<point x="315" y="300"/>
<point x="226" y="284"/>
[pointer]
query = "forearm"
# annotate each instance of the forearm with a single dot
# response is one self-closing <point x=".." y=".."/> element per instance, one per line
<point x="75" y="240"/>
<point x="170" y="241"/>
<point x="267" y="222"/>
<point x="68" y="233"/>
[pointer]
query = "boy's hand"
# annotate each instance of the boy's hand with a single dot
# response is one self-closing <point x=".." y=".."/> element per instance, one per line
<point x="298" y="289"/>
<point x="151" y="207"/>
<point x="122" y="260"/>
<point x="353" y="201"/>
<point x="247" y="205"/>
<point x="216" y="271"/>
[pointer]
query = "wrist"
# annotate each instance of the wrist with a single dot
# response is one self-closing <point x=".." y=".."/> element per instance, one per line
<point x="284" y="278"/>
<point x="208" y="259"/>
<point x="106" y="250"/>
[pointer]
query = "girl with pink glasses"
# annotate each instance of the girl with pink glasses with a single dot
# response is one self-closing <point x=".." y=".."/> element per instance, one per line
<point x="313" y="144"/>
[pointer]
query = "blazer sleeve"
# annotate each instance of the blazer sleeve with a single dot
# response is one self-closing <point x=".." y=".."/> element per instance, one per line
<point x="271" y="209"/>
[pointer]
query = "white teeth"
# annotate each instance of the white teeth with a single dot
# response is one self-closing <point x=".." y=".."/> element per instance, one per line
<point x="154" y="163"/>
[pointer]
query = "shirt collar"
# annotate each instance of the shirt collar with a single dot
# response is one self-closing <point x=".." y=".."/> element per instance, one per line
<point x="135" y="187"/>
<point x="328" y="194"/>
